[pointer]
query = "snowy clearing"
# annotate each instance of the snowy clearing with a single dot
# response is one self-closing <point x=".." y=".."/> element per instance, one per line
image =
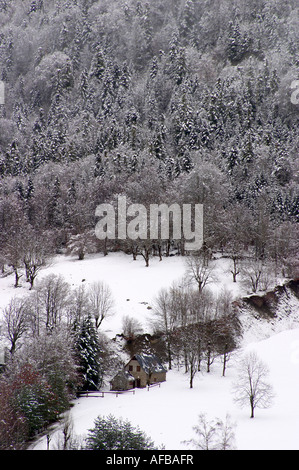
<point x="133" y="286"/>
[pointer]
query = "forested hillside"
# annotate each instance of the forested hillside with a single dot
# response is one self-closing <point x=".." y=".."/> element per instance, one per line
<point x="167" y="100"/>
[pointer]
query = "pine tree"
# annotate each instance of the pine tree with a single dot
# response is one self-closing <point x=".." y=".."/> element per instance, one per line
<point x="116" y="434"/>
<point x="238" y="43"/>
<point x="55" y="211"/>
<point x="89" y="352"/>
<point x="188" y="20"/>
<point x="177" y="61"/>
<point x="98" y="64"/>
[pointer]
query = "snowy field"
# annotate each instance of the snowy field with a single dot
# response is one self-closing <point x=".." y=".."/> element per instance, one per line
<point x="168" y="413"/>
<point x="133" y="286"/>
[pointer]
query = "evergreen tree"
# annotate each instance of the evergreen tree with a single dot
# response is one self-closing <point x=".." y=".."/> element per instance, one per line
<point x="116" y="434"/>
<point x="187" y="21"/>
<point x="89" y="355"/>
<point x="55" y="211"/>
<point x="238" y="44"/>
<point x="98" y="64"/>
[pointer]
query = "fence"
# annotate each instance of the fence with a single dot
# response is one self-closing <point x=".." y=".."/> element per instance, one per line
<point x="101" y="394"/>
<point x="158" y="384"/>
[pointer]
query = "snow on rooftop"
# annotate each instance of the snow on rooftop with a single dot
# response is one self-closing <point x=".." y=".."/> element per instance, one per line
<point x="150" y="363"/>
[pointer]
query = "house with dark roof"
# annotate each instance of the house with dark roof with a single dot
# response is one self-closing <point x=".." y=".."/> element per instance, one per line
<point x="140" y="371"/>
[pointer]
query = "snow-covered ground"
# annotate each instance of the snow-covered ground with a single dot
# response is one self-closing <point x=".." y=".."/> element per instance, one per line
<point x="133" y="285"/>
<point x="168" y="413"/>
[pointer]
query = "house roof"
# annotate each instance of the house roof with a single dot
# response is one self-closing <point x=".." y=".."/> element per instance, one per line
<point x="149" y="363"/>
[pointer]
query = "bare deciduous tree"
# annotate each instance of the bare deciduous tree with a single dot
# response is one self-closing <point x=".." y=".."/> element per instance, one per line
<point x="256" y="274"/>
<point x="101" y="301"/>
<point x="15" y="321"/>
<point x="14" y="226"/>
<point x="35" y="255"/>
<point x="49" y="302"/>
<point x="13" y="255"/>
<point x="213" y="435"/>
<point x="165" y="319"/>
<point x="79" y="306"/>
<point x="131" y="327"/>
<point x="251" y="386"/>
<point x="238" y="230"/>
<point x="199" y="269"/>
<point x="66" y="439"/>
<point x="252" y="271"/>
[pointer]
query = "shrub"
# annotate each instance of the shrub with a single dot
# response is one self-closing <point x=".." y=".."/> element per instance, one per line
<point x="35" y="399"/>
<point x="116" y="434"/>
<point x="13" y="425"/>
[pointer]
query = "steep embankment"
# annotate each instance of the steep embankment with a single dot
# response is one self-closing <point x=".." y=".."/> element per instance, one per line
<point x="272" y="312"/>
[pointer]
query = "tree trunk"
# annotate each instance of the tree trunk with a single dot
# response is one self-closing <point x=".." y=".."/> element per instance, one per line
<point x="134" y="253"/>
<point x="167" y="247"/>
<point x="105" y="247"/>
<point x="146" y="256"/>
<point x="169" y="356"/>
<point x="235" y="271"/>
<point x="191" y="376"/>
<point x="81" y="254"/>
<point x="252" y="407"/>
<point x="208" y="359"/>
<point x="160" y="252"/>
<point x="224" y="364"/>
<point x="225" y="359"/>
<point x="17" y="276"/>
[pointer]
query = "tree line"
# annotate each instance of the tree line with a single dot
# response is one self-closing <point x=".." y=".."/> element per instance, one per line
<point x="56" y="349"/>
<point x="54" y="212"/>
<point x="193" y="107"/>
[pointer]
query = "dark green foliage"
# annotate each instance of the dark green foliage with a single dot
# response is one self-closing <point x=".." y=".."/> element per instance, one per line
<point x="116" y="434"/>
<point x="238" y="44"/>
<point x="35" y="399"/>
<point x="89" y="355"/>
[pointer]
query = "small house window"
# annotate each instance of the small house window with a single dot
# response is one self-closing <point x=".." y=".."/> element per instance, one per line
<point x="130" y="368"/>
<point x="138" y="369"/>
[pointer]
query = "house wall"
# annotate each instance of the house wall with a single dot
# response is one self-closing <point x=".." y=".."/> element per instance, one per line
<point x="134" y="368"/>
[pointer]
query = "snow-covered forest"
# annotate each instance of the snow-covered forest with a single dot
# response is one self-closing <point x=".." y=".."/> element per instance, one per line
<point x="165" y="101"/>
